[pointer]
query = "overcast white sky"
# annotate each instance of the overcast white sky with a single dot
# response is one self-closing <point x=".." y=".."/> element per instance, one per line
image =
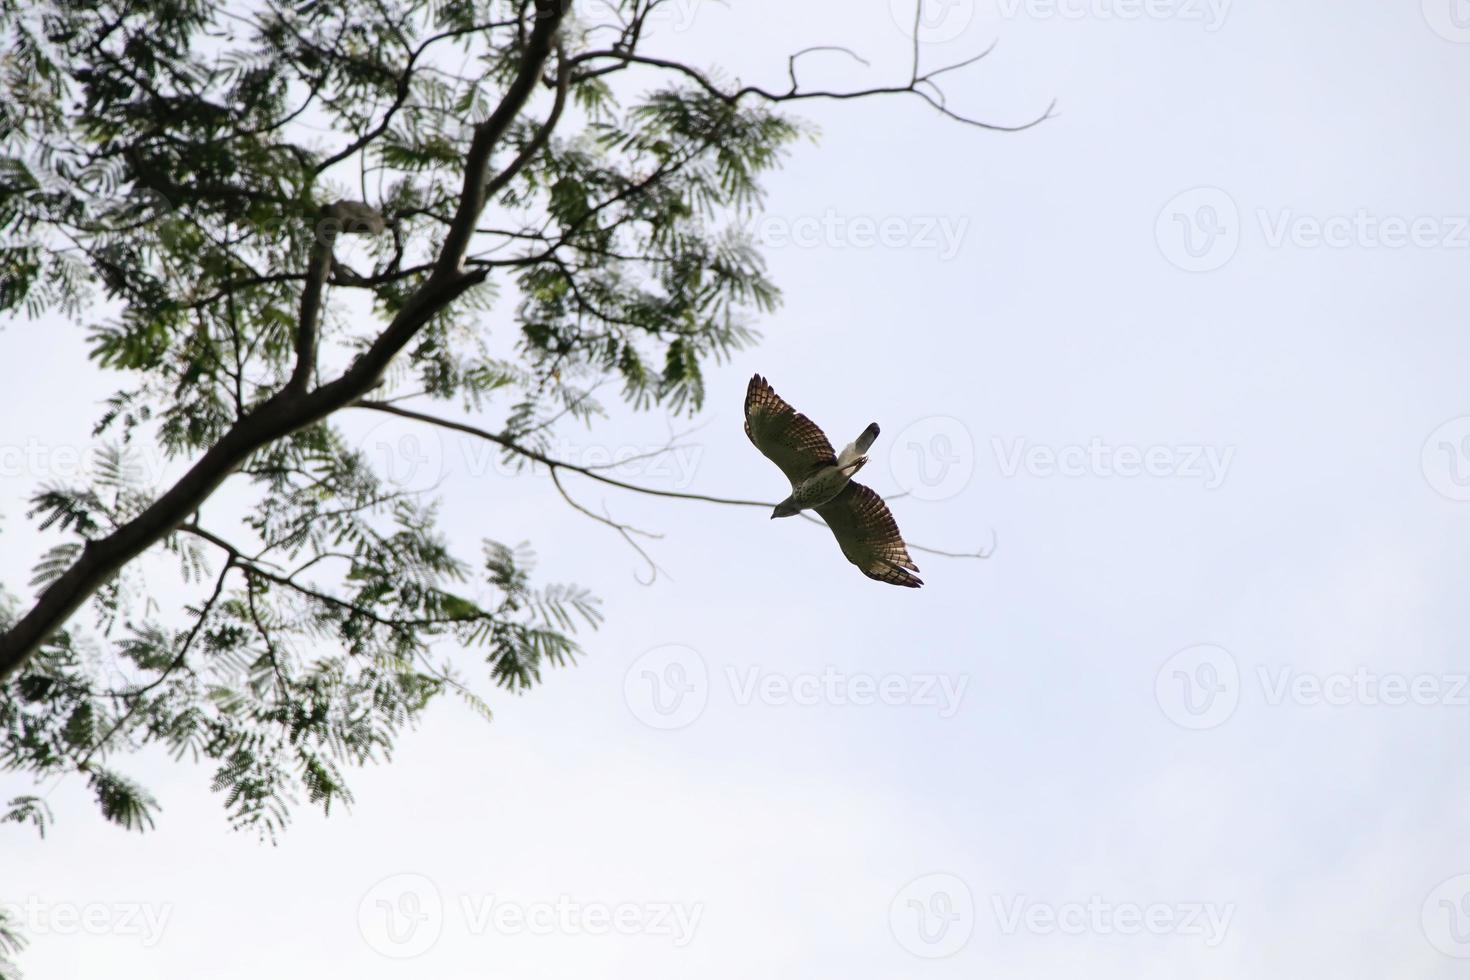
<point x="1195" y="350"/>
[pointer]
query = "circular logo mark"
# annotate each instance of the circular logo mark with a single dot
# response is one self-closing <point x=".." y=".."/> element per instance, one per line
<point x="1446" y="917"/>
<point x="1199" y="230"/>
<point x="1450" y="19"/>
<point x="1445" y="459"/>
<point x="1198" y="687"/>
<point x="401" y="916"/>
<point x="937" y="21"/>
<point x="933" y="916"/>
<point x="934" y="458"/>
<point x="408" y="456"/>
<point x="667" y="687"/>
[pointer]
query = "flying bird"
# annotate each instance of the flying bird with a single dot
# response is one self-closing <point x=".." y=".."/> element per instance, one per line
<point x="821" y="480"/>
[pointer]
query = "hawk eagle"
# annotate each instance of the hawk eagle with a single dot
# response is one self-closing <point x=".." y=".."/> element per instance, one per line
<point x="821" y="480"/>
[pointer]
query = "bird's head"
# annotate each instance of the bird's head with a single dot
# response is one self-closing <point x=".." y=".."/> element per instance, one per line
<point x="785" y="509"/>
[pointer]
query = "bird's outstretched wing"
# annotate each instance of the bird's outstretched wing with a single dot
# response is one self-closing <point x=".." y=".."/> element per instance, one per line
<point x="783" y="435"/>
<point x="868" y="535"/>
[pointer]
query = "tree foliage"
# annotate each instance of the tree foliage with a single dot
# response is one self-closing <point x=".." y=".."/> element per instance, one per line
<point x="11" y="943"/>
<point x="287" y="210"/>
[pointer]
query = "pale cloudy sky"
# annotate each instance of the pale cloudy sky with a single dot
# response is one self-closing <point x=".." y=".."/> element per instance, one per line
<point x="1194" y="350"/>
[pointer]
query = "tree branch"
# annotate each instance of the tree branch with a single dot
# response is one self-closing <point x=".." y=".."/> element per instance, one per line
<point x="250" y="567"/>
<point x="623" y="57"/>
<point x="626" y="531"/>
<point x="290" y="410"/>
<point x="178" y="661"/>
<point x="591" y="472"/>
<point x="489" y="133"/>
<point x="309" y="318"/>
<point x="547" y="461"/>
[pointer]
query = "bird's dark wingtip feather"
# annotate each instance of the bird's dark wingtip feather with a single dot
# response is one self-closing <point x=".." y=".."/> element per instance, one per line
<point x="895" y="575"/>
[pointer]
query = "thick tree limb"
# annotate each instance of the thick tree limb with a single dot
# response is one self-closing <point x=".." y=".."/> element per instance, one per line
<point x="290" y="409"/>
<point x="490" y="132"/>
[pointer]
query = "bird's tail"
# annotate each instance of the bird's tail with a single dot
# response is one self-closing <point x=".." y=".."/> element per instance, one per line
<point x="853" y="450"/>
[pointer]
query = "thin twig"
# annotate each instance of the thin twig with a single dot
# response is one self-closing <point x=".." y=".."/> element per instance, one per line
<point x="626" y="531"/>
<point x="174" y="665"/>
<point x="558" y="464"/>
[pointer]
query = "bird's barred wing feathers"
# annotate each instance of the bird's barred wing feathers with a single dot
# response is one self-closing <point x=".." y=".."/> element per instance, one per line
<point x="868" y="535"/>
<point x="783" y="435"/>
